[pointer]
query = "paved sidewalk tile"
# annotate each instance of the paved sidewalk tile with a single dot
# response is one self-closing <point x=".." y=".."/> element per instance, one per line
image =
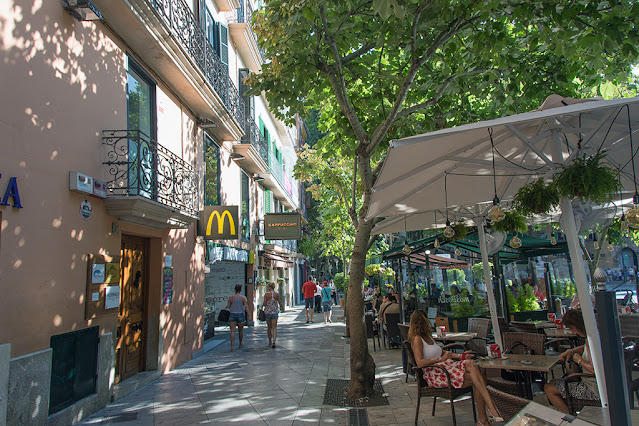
<point x="281" y="386"/>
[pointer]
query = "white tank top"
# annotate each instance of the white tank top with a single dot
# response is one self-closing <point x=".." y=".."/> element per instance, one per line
<point x="431" y="351"/>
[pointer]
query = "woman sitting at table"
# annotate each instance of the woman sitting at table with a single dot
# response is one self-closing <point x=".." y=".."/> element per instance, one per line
<point x="462" y="371"/>
<point x="586" y="388"/>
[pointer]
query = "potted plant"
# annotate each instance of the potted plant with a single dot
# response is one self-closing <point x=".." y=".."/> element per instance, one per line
<point x="514" y="222"/>
<point x="536" y="197"/>
<point x="461" y="230"/>
<point x="587" y="179"/>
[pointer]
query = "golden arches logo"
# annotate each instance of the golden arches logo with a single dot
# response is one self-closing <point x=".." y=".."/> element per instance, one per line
<point x="220" y="222"/>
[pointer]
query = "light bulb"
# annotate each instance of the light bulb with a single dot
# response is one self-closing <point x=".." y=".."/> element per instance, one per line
<point x="624" y="225"/>
<point x="496" y="213"/>
<point x="632" y="217"/>
<point x="596" y="245"/>
<point x="553" y="240"/>
<point x="610" y="247"/>
<point x="457" y="251"/>
<point x="449" y="232"/>
<point x="515" y="242"/>
<point x="406" y="249"/>
<point x="436" y="244"/>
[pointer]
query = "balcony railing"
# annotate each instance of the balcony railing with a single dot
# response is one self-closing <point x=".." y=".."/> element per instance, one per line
<point x="140" y="166"/>
<point x="177" y="15"/>
<point x="244" y="16"/>
<point x="255" y="138"/>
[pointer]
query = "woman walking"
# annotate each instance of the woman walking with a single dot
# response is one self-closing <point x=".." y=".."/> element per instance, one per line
<point x="270" y="303"/>
<point x="327" y="302"/>
<point x="462" y="371"/>
<point x="237" y="307"/>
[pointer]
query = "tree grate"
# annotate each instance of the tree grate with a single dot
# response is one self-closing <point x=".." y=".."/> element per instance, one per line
<point x="120" y="418"/>
<point x="336" y="389"/>
<point x="357" y="417"/>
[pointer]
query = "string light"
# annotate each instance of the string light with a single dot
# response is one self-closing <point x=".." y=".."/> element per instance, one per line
<point x="496" y="213"/>
<point x="449" y="232"/>
<point x="515" y="242"/>
<point x="406" y="250"/>
<point x="458" y="251"/>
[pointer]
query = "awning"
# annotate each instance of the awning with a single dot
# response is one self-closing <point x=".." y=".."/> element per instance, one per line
<point x="276" y="261"/>
<point x="434" y="261"/>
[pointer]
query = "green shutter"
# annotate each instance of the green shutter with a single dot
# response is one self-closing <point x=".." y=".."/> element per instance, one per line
<point x="224" y="47"/>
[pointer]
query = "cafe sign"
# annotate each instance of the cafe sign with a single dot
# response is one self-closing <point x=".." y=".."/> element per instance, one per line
<point x="282" y="226"/>
<point x="219" y="223"/>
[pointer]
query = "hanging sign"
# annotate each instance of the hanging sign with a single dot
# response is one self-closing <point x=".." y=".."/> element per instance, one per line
<point x="219" y="223"/>
<point x="85" y="209"/>
<point x="282" y="226"/>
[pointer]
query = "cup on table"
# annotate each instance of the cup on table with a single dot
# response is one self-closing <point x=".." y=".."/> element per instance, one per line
<point x="494" y="351"/>
<point x="552" y="317"/>
<point x="558" y="324"/>
<point x="442" y="330"/>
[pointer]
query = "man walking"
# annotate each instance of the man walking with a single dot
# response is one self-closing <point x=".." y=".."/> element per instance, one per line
<point x="309" y="298"/>
<point x="318" y="297"/>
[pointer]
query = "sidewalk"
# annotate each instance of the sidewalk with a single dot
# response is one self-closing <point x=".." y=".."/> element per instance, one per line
<point x="281" y="386"/>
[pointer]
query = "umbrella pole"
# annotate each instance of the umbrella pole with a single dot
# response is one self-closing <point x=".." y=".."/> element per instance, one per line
<point x="587" y="310"/>
<point x="488" y="279"/>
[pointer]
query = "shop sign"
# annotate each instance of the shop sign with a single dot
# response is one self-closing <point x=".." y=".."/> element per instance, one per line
<point x="220" y="253"/>
<point x="11" y="192"/>
<point x="219" y="223"/>
<point x="282" y="226"/>
<point x="85" y="209"/>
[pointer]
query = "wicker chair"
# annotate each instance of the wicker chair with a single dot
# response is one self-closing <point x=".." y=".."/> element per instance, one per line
<point x="576" y="404"/>
<point x="508" y="405"/>
<point x="449" y="392"/>
<point x="391" y="330"/>
<point x="523" y="326"/>
<point x="480" y="326"/>
<point x="629" y="325"/>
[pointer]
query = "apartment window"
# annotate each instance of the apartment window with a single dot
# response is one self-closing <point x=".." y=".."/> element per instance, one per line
<point x="244" y="208"/>
<point x="218" y="35"/>
<point x="212" y="172"/>
<point x="249" y="104"/>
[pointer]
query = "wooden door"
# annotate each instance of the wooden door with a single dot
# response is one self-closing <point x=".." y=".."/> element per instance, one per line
<point x="131" y="324"/>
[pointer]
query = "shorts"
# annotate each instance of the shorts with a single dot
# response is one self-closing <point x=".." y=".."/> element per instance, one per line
<point x="326" y="306"/>
<point x="271" y="316"/>
<point x="309" y="302"/>
<point x="238" y="318"/>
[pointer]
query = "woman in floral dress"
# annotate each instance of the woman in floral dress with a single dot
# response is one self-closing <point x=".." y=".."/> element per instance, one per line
<point x="271" y="312"/>
<point x="462" y="371"/>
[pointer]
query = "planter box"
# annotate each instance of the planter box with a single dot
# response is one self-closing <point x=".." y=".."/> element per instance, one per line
<point x="541" y="315"/>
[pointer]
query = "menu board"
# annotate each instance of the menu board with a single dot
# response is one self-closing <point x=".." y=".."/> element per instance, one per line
<point x="220" y="284"/>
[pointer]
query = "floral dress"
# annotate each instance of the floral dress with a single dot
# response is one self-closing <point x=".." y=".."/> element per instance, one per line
<point x="435" y="377"/>
<point x="271" y="306"/>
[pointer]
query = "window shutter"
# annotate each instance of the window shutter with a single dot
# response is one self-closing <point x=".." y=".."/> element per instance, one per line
<point x="268" y="202"/>
<point x="224" y="47"/>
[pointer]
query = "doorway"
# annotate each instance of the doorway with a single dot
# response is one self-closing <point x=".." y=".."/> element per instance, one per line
<point x="131" y="332"/>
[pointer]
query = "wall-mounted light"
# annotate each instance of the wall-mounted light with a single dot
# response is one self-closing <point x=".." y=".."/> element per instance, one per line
<point x="82" y="10"/>
<point x="258" y="178"/>
<point x="207" y="123"/>
<point x="235" y="156"/>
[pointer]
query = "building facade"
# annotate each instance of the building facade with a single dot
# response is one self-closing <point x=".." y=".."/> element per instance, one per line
<point x="122" y="122"/>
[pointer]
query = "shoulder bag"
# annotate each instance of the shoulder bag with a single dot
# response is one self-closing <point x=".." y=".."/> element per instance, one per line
<point x="224" y="315"/>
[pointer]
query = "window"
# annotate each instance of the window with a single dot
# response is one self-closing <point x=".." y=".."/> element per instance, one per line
<point x="212" y="172"/>
<point x="244" y="208"/>
<point x="218" y="35"/>
<point x="74" y="367"/>
<point x="249" y="104"/>
<point x="140" y="103"/>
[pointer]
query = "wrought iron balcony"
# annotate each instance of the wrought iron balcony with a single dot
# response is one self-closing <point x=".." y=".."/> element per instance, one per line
<point x="244" y="16"/>
<point x="139" y="166"/>
<point x="177" y="15"/>
<point x="255" y="138"/>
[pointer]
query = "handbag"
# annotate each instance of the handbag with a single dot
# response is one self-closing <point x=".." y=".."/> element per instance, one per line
<point x="261" y="315"/>
<point x="224" y="315"/>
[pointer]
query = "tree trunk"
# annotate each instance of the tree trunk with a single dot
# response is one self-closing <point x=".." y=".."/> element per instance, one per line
<point x="362" y="364"/>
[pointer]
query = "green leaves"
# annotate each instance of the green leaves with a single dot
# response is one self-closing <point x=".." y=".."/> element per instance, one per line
<point x="587" y="179"/>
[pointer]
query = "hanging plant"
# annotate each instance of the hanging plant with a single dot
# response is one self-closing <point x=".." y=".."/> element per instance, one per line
<point x="587" y="179"/>
<point x="514" y="222"/>
<point x="461" y="230"/>
<point x="536" y="198"/>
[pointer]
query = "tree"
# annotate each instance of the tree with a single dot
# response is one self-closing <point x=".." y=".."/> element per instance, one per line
<point x="379" y="70"/>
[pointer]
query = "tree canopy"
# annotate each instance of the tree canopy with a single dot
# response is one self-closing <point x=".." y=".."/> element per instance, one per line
<point x="384" y="69"/>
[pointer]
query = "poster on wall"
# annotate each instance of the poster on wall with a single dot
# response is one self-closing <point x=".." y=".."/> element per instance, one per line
<point x="220" y="284"/>
<point x="167" y="285"/>
<point x="112" y="297"/>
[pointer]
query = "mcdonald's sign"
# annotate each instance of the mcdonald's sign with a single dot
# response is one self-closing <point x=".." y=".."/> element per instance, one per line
<point x="219" y="223"/>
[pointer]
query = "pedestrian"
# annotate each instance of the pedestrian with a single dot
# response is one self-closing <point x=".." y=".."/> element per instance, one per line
<point x="309" y="298"/>
<point x="271" y="312"/>
<point x="318" y="297"/>
<point x="237" y="308"/>
<point x="331" y="283"/>
<point x="327" y="302"/>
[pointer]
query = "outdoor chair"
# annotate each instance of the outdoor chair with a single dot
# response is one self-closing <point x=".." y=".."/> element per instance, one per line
<point x="423" y="390"/>
<point x="442" y="322"/>
<point x="508" y="405"/>
<point x="391" y="332"/>
<point x="477" y="344"/>
<point x="408" y="367"/>
<point x="503" y="326"/>
<point x="371" y="330"/>
<point x="629" y="325"/>
<point x="577" y="404"/>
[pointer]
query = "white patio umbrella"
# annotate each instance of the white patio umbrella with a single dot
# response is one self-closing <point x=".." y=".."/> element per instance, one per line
<point x="496" y="157"/>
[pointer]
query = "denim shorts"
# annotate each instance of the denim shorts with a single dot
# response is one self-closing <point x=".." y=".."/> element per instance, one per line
<point x="326" y="306"/>
<point x="271" y="316"/>
<point x="309" y="302"/>
<point x="238" y="318"/>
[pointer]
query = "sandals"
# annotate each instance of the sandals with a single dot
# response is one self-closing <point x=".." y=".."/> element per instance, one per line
<point x="494" y="419"/>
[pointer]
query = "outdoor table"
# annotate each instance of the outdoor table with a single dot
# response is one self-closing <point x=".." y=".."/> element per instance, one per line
<point x="544" y="415"/>
<point x="555" y="333"/>
<point x="540" y="363"/>
<point x="544" y="324"/>
<point x="455" y="337"/>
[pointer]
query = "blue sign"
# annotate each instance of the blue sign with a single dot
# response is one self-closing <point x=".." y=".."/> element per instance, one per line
<point x="11" y="191"/>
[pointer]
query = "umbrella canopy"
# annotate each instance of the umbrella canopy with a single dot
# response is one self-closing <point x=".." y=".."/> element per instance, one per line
<point x="454" y="167"/>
